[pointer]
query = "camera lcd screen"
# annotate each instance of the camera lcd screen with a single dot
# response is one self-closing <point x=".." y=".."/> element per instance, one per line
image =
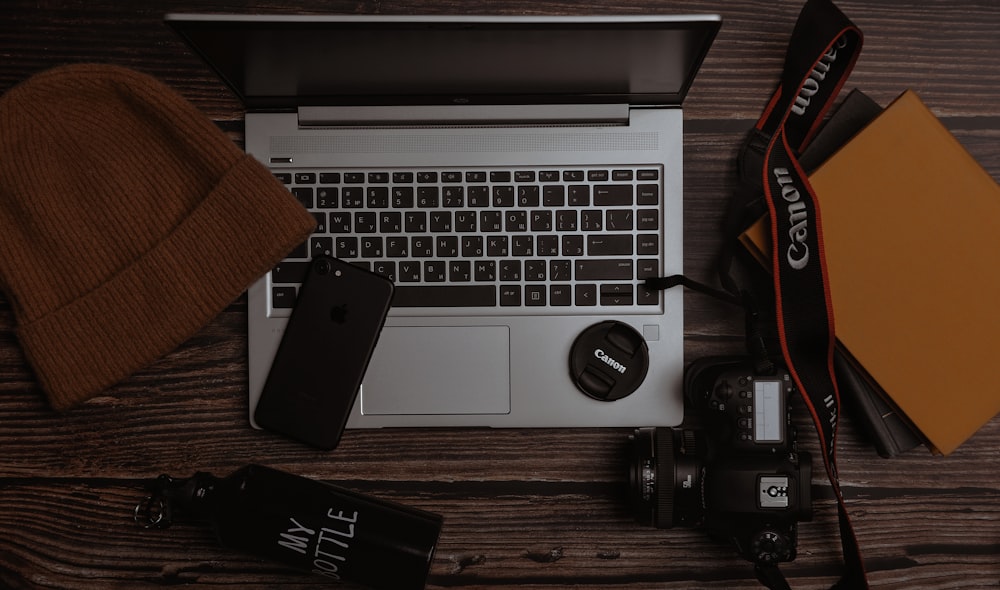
<point x="768" y="413"/>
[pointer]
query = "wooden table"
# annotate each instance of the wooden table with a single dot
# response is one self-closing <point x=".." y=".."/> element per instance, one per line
<point x="523" y="508"/>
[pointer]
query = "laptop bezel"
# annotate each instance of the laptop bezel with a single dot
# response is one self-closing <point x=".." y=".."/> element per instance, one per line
<point x="186" y="24"/>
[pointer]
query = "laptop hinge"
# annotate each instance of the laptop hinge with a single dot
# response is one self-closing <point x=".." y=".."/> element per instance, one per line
<point x="424" y="115"/>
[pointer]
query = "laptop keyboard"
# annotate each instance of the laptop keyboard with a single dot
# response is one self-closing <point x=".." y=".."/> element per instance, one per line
<point x="552" y="239"/>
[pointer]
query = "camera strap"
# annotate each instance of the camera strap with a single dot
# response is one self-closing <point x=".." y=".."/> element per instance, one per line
<point x="821" y="54"/>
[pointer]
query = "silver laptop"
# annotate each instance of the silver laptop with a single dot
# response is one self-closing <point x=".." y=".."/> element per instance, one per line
<point x="517" y="178"/>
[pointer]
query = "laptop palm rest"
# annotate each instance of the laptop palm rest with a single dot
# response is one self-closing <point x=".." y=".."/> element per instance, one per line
<point x="477" y="379"/>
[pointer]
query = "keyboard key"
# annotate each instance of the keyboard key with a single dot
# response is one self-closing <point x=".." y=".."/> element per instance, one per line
<point x="566" y="220"/>
<point x="490" y="221"/>
<point x="347" y="247"/>
<point x="647" y="244"/>
<point x="465" y="221"/>
<point x="497" y="246"/>
<point x="554" y="195"/>
<point x="648" y="174"/>
<point x="472" y="246"/>
<point x="560" y="295"/>
<point x="510" y="270"/>
<point x="422" y="246"/>
<point x="478" y="196"/>
<point x="305" y="178"/>
<point x="365" y="222"/>
<point x="647" y="268"/>
<point x="579" y="195"/>
<point x="396" y="247"/>
<point x="535" y="270"/>
<point x="619" y="220"/>
<point x="522" y="245"/>
<point x="320" y="222"/>
<point x="447" y="246"/>
<point x="385" y="268"/>
<point x="372" y="247"/>
<point x="485" y="271"/>
<point x="616" y="294"/>
<point x="611" y="269"/>
<point x="541" y="221"/>
<point x="435" y="271"/>
<point x="527" y="196"/>
<point x="326" y="197"/>
<point x="585" y="294"/>
<point x="304" y="196"/>
<point x="283" y="297"/>
<point x="612" y="195"/>
<point x="503" y="196"/>
<point x="647" y="219"/>
<point x="621" y="175"/>
<point x="534" y="295"/>
<point x="289" y="272"/>
<point x="378" y="197"/>
<point x="352" y="197"/>
<point x="547" y="245"/>
<point x="409" y="272"/>
<point x="560" y="270"/>
<point x="648" y="194"/>
<point x="284" y="177"/>
<point x="510" y="295"/>
<point x="415" y="222"/>
<point x="321" y="246"/>
<point x="592" y="220"/>
<point x="391" y="222"/>
<point x="610" y="245"/>
<point x="460" y="271"/>
<point x="329" y="177"/>
<point x="572" y="245"/>
<point x="453" y="196"/>
<point x="572" y="175"/>
<point x="340" y="223"/>
<point x="516" y="221"/>
<point x="428" y="197"/>
<point x="300" y="251"/>
<point x="440" y="221"/>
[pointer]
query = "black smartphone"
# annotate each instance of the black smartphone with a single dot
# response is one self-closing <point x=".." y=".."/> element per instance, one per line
<point x="324" y="353"/>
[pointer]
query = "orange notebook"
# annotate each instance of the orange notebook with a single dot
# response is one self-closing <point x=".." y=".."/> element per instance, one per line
<point x="911" y="226"/>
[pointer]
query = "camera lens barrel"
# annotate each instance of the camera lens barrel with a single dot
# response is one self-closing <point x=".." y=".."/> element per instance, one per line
<point x="665" y="477"/>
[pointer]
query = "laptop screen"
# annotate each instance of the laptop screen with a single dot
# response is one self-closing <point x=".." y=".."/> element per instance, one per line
<point x="277" y="62"/>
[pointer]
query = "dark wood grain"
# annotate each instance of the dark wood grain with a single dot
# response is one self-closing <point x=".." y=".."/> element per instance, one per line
<point x="530" y="509"/>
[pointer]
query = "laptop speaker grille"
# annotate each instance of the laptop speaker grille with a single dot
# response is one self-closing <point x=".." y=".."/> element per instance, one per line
<point x="526" y="142"/>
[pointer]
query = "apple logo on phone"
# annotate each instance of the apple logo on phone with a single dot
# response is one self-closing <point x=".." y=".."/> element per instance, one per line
<point x="338" y="313"/>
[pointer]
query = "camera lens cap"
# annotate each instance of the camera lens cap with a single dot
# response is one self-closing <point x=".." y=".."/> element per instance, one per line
<point x="609" y="360"/>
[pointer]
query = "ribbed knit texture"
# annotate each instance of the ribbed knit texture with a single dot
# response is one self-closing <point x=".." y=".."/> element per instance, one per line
<point x="128" y="221"/>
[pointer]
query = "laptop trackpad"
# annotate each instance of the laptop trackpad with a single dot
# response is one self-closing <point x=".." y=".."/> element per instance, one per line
<point x="439" y="370"/>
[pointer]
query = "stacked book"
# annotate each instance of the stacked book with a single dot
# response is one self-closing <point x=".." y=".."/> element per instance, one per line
<point x="911" y="230"/>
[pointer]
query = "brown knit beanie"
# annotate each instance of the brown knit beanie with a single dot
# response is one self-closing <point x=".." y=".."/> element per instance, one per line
<point x="128" y="221"/>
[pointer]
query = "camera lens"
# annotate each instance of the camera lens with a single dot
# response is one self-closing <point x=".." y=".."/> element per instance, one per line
<point x="665" y="477"/>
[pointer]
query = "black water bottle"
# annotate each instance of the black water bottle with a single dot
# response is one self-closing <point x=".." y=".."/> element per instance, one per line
<point x="304" y="523"/>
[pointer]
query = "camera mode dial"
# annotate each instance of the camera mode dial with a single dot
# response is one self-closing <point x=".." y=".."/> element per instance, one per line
<point x="770" y="546"/>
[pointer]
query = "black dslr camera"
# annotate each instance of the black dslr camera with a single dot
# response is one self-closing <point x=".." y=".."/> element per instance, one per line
<point x="735" y="471"/>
